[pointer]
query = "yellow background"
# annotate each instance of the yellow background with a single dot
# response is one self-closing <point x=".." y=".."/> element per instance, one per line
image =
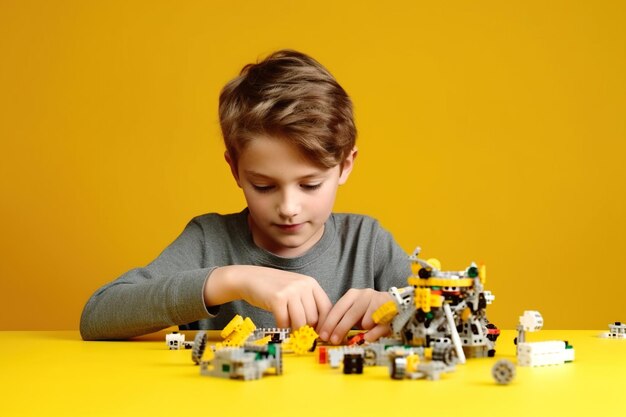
<point x="488" y="130"/>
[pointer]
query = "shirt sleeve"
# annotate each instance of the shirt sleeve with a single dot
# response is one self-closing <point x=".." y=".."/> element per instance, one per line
<point x="167" y="292"/>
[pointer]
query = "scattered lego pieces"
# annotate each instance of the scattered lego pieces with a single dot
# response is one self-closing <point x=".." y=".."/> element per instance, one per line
<point x="539" y="353"/>
<point x="247" y="363"/>
<point x="403" y="364"/>
<point x="617" y="330"/>
<point x="275" y="334"/>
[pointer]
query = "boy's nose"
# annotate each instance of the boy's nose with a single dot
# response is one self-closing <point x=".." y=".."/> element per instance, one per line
<point x="289" y="206"/>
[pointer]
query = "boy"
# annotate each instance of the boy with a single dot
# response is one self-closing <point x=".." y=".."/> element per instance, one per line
<point x="286" y="260"/>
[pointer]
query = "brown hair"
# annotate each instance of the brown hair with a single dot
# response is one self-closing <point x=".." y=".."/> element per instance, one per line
<point x="291" y="96"/>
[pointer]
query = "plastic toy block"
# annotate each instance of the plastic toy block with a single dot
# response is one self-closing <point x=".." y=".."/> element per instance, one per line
<point x="385" y="313"/>
<point x="422" y="299"/>
<point x="543" y="353"/>
<point x="236" y="332"/>
<point x="175" y="340"/>
<point x="335" y="356"/>
<point x="353" y="361"/>
<point x="322" y="355"/>
<point x="231" y="327"/>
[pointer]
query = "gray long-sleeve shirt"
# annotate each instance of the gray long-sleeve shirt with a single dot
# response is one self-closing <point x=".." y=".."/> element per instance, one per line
<point x="354" y="252"/>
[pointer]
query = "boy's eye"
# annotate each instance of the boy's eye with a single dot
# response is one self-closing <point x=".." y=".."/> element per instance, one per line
<point x="311" y="187"/>
<point x="263" y="188"/>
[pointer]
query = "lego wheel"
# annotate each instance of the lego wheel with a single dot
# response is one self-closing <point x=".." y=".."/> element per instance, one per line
<point x="199" y="346"/>
<point x="503" y="371"/>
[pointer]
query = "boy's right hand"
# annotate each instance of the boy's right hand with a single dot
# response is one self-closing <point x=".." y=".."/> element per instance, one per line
<point x="294" y="299"/>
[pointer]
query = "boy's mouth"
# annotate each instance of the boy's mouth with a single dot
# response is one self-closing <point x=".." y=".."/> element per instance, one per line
<point x="290" y="227"/>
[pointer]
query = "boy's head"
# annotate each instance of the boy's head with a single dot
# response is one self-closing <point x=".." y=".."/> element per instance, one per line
<point x="290" y="96"/>
<point x="289" y="135"/>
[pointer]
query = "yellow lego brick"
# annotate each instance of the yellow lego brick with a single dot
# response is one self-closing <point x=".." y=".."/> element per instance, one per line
<point x="436" y="300"/>
<point x="411" y="362"/>
<point x="422" y="299"/>
<point x="483" y="274"/>
<point x="230" y="327"/>
<point x="428" y="353"/>
<point x="237" y="331"/>
<point x="248" y="325"/>
<point x="385" y="313"/>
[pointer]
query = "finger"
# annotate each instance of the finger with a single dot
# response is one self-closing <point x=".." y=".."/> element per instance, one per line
<point x="378" y="299"/>
<point x="310" y="309"/>
<point x="351" y="317"/>
<point x="297" y="317"/>
<point x="281" y="315"/>
<point x="377" y="332"/>
<point x="367" y="321"/>
<point x="335" y="315"/>
<point x="322" y="304"/>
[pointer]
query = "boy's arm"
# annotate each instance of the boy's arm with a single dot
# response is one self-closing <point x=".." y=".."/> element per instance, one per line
<point x="169" y="291"/>
<point x="174" y="290"/>
<point x="294" y="299"/>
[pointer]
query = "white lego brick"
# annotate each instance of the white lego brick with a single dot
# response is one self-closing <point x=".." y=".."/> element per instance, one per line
<point x="335" y="356"/>
<point x="174" y="340"/>
<point x="542" y="353"/>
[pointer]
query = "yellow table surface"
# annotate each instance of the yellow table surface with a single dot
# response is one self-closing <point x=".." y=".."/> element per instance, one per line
<point x="56" y="373"/>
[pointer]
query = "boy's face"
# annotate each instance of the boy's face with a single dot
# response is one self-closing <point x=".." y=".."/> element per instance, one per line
<point x="289" y="197"/>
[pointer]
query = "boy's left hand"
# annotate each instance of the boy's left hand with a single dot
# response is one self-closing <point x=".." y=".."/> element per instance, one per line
<point x="355" y="308"/>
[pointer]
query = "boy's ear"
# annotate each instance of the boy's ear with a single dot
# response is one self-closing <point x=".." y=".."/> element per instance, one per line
<point x="347" y="165"/>
<point x="233" y="167"/>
